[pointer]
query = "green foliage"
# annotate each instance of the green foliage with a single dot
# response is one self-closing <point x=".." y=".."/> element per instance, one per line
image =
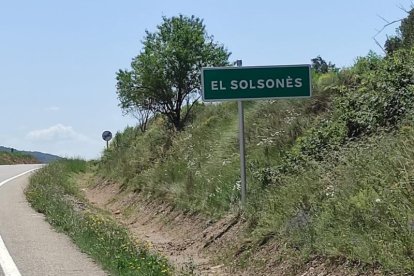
<point x="382" y="97"/>
<point x="407" y="30"/>
<point x="338" y="194"/>
<point x="328" y="176"/>
<point x="175" y="165"/>
<point x="53" y="192"/>
<point x="320" y="66"/>
<point x="357" y="203"/>
<point x="76" y="165"/>
<point x="404" y="37"/>
<point x="375" y="94"/>
<point x="392" y="44"/>
<point x="166" y="75"/>
<point x="327" y="136"/>
<point x="365" y="67"/>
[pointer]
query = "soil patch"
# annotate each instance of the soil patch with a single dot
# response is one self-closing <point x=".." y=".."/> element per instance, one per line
<point x="190" y="242"/>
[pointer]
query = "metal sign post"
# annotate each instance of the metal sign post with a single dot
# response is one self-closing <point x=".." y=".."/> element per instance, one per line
<point x="254" y="83"/>
<point x="243" y="185"/>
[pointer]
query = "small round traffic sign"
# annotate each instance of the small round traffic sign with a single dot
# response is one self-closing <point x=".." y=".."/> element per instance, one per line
<point x="107" y="135"/>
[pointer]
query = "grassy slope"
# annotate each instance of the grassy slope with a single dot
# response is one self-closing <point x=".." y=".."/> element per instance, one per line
<point x="53" y="192"/>
<point x="7" y="158"/>
<point x="330" y="177"/>
<point x="199" y="169"/>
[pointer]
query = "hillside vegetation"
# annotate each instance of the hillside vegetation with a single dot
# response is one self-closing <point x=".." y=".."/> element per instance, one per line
<point x="39" y="156"/>
<point x="8" y="158"/>
<point x="332" y="176"/>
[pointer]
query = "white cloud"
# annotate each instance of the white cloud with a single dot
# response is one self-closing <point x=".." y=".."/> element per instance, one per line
<point x="56" y="133"/>
<point x="52" y="108"/>
<point x="61" y="140"/>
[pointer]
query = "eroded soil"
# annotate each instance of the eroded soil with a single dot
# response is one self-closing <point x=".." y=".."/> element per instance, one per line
<point x="186" y="240"/>
<point x="199" y="246"/>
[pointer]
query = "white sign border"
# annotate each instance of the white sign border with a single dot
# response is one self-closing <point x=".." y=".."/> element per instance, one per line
<point x="254" y="67"/>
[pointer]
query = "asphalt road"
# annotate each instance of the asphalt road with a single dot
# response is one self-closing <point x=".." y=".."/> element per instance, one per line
<point x="34" y="247"/>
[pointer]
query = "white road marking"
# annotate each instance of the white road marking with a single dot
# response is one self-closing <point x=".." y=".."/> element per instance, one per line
<point x="6" y="261"/>
<point x="16" y="176"/>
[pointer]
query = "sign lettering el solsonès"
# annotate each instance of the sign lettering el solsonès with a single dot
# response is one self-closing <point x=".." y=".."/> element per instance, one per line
<point x="248" y="83"/>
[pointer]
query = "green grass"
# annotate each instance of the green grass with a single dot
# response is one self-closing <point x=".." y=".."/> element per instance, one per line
<point x="357" y="204"/>
<point x="330" y="176"/>
<point x="53" y="192"/>
<point x="198" y="169"/>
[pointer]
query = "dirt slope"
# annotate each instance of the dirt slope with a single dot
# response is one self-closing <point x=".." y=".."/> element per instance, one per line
<point x="188" y="241"/>
<point x="198" y="246"/>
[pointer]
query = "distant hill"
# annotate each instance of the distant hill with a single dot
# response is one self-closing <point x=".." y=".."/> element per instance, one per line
<point x="8" y="158"/>
<point x="40" y="156"/>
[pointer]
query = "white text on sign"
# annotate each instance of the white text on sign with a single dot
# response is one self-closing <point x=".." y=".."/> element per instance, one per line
<point x="258" y="84"/>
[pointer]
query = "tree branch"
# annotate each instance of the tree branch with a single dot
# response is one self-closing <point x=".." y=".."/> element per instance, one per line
<point x="382" y="29"/>
<point x="401" y="7"/>
<point x="189" y="109"/>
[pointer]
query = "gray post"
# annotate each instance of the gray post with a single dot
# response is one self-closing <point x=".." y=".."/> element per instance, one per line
<point x="243" y="186"/>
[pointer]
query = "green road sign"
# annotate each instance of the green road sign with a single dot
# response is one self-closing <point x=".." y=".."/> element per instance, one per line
<point x="249" y="83"/>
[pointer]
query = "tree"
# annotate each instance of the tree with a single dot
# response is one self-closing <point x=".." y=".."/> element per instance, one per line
<point x="131" y="101"/>
<point x="392" y="44"/>
<point x="404" y="37"/>
<point x="407" y="29"/>
<point x="320" y="65"/>
<point x="166" y="75"/>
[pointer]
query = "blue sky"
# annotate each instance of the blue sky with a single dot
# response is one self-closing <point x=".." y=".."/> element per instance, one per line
<point x="58" y="58"/>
